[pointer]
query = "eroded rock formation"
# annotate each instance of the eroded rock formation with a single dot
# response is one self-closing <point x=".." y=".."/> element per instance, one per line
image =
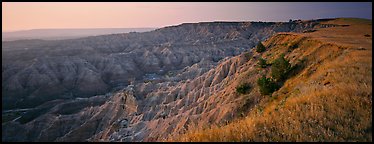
<point x="173" y="77"/>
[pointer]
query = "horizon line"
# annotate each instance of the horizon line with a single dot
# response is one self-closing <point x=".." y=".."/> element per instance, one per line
<point x="175" y="24"/>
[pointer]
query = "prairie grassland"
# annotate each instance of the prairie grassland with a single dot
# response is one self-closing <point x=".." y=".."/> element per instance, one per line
<point x="328" y="98"/>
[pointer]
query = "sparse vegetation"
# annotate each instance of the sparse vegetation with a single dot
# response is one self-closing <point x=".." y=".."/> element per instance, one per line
<point x="260" y="48"/>
<point x="262" y="63"/>
<point x="245" y="107"/>
<point x="334" y="103"/>
<point x="280" y="68"/>
<point x="267" y="86"/>
<point x="293" y="45"/>
<point x="247" y="56"/>
<point x="243" y="88"/>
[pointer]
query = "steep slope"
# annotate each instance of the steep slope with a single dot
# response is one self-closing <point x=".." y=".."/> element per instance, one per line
<point x="65" y="122"/>
<point x="327" y="96"/>
<point x="208" y="99"/>
<point x="37" y="71"/>
<point x="172" y="104"/>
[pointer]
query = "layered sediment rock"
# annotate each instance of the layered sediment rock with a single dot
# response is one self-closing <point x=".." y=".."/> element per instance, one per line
<point x="63" y="82"/>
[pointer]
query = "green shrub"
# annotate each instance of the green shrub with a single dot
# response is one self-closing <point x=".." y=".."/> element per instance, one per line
<point x="243" y="88"/>
<point x="262" y="63"/>
<point x="280" y="68"/>
<point x="267" y="86"/>
<point x="293" y="46"/>
<point x="247" y="56"/>
<point x="260" y="48"/>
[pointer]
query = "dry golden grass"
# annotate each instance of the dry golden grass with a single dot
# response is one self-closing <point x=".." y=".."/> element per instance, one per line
<point x="330" y="99"/>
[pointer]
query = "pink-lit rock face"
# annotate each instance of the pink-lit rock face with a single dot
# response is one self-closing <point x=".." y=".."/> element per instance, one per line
<point x="129" y="87"/>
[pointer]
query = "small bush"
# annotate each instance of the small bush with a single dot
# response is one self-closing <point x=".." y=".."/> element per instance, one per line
<point x="293" y="46"/>
<point x="262" y="63"/>
<point x="267" y="86"/>
<point x="260" y="48"/>
<point x="247" y="56"/>
<point x="243" y="88"/>
<point x="280" y="68"/>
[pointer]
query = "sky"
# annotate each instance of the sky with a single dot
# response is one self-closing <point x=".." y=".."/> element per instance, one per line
<point x="43" y="15"/>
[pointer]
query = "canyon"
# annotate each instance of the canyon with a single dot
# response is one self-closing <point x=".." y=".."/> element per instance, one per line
<point x="138" y="86"/>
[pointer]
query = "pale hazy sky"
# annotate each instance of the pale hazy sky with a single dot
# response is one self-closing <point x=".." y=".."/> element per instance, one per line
<point x="24" y="16"/>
